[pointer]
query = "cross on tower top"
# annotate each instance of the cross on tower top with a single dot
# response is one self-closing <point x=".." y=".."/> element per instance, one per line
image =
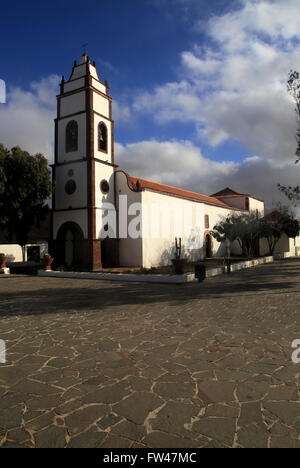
<point x="84" y="46"/>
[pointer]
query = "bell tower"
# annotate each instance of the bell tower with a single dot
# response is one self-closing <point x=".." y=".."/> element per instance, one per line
<point x="83" y="171"/>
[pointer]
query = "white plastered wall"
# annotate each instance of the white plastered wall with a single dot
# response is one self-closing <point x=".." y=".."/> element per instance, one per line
<point x="79" y="198"/>
<point x="93" y="71"/>
<point x="96" y="84"/>
<point x="285" y="244"/>
<point x="130" y="250"/>
<point x="79" y="71"/>
<point x="71" y="85"/>
<point x="101" y="104"/>
<point x="156" y="247"/>
<point x="166" y="217"/>
<point x="13" y="252"/>
<point x="72" y="104"/>
<point x="104" y="202"/>
<point x="75" y="216"/>
<point x="217" y="214"/>
<point x="258" y="205"/>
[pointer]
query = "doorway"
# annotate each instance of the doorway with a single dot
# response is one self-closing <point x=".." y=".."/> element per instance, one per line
<point x="70" y="245"/>
<point x="208" y="246"/>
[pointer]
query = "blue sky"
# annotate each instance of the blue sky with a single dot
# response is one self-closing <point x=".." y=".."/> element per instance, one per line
<point x="198" y="87"/>
<point x="136" y="45"/>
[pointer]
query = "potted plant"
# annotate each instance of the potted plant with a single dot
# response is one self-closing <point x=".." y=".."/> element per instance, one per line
<point x="46" y="262"/>
<point x="3" y="260"/>
<point x="178" y="262"/>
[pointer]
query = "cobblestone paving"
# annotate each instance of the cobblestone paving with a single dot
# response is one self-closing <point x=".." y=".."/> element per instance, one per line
<point x="100" y="364"/>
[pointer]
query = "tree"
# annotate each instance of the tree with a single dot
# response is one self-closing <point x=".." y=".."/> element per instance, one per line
<point x="293" y="87"/>
<point x="243" y="228"/>
<point x="25" y="185"/>
<point x="291" y="227"/>
<point x="273" y="230"/>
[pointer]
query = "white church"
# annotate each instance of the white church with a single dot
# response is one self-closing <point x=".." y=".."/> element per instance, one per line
<point x="102" y="216"/>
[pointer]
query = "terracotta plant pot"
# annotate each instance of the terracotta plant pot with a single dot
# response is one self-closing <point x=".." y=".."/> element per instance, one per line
<point x="3" y="260"/>
<point x="46" y="263"/>
<point x="179" y="265"/>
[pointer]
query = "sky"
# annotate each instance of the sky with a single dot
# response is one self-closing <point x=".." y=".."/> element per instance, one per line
<point x="198" y="87"/>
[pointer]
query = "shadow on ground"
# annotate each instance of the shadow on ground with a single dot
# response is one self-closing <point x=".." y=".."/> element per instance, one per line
<point x="51" y="295"/>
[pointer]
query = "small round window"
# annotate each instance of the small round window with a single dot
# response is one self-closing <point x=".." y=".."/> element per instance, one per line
<point x="70" y="187"/>
<point x="104" y="186"/>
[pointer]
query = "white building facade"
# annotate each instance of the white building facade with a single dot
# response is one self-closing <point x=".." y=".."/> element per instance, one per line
<point x="102" y="216"/>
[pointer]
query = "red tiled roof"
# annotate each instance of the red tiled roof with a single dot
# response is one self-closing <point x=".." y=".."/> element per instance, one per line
<point x="135" y="183"/>
<point x="228" y="192"/>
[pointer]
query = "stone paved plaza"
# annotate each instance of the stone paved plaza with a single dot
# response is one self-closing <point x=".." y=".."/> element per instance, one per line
<point x="106" y="364"/>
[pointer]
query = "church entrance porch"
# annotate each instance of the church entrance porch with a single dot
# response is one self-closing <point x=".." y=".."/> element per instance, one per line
<point x="68" y="248"/>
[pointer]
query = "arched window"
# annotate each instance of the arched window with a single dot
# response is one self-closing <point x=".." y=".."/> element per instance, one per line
<point x="206" y="222"/>
<point x="102" y="137"/>
<point x="71" y="136"/>
<point x="247" y="204"/>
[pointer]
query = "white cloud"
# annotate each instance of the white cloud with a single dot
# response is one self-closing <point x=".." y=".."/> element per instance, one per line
<point x="170" y="162"/>
<point x="121" y="112"/>
<point x="235" y="89"/>
<point x="26" y="120"/>
<point x="172" y="101"/>
<point x="205" y="66"/>
<point x="181" y="164"/>
<point x="276" y="19"/>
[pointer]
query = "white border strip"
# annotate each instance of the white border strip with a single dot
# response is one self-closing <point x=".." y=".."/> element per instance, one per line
<point x="176" y="279"/>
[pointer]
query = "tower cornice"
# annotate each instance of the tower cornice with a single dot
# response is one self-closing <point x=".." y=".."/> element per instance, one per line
<point x="84" y="88"/>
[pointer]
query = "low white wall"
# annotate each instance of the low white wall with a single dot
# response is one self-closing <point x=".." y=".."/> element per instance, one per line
<point x="283" y="245"/>
<point x="177" y="279"/>
<point x="14" y="252"/>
